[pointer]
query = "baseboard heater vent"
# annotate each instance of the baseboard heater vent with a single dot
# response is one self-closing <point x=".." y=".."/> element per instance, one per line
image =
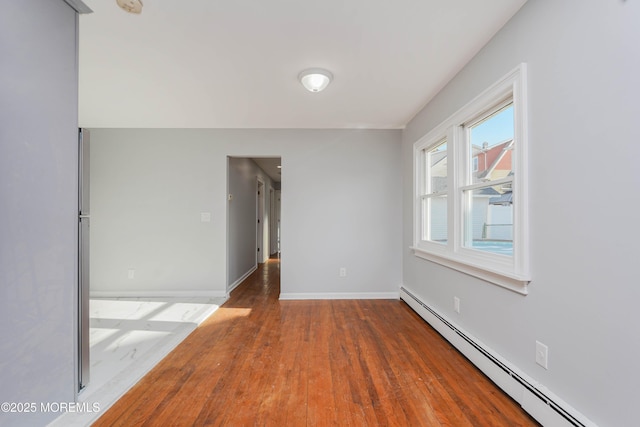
<point x="547" y="400"/>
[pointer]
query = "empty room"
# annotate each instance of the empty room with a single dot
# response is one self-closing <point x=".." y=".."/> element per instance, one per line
<point x="338" y="213"/>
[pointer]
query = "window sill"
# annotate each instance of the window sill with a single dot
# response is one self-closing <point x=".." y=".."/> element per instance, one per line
<point x="513" y="282"/>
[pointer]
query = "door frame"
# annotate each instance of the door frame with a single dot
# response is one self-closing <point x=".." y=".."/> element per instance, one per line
<point x="260" y="210"/>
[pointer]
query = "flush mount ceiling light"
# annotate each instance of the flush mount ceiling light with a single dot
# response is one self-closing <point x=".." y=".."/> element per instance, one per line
<point x="315" y="79"/>
<point x="131" y="6"/>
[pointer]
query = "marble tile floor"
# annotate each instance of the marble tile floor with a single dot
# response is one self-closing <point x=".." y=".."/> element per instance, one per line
<point x="128" y="337"/>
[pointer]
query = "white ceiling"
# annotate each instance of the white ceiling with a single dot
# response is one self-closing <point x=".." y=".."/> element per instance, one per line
<point x="234" y="63"/>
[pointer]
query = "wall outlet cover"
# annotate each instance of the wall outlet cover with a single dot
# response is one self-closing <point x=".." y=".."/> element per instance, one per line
<point x="542" y="355"/>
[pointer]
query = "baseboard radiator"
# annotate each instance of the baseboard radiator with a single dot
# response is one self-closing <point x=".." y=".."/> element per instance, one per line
<point x="541" y="404"/>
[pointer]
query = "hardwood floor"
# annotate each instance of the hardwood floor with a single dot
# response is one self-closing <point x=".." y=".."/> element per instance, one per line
<point x="261" y="361"/>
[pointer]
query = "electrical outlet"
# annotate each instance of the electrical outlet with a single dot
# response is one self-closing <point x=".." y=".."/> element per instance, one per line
<point x="456" y="304"/>
<point x="542" y="355"/>
<point x="131" y="273"/>
<point x="343" y="272"/>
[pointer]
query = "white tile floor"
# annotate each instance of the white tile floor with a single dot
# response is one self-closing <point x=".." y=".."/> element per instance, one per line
<point x="129" y="336"/>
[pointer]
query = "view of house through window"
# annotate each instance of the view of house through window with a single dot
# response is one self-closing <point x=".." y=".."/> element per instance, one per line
<point x="434" y="197"/>
<point x="488" y="221"/>
<point x="471" y="209"/>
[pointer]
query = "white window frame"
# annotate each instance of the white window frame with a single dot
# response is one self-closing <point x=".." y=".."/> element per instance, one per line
<point x="511" y="272"/>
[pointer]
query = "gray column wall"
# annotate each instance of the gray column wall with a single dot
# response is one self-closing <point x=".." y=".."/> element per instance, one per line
<point x="38" y="203"/>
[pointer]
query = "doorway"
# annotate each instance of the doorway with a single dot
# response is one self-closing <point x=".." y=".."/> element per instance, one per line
<point x="252" y="214"/>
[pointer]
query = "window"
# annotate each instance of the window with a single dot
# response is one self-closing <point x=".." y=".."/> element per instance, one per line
<point x="434" y="193"/>
<point x="488" y="189"/>
<point x="471" y="188"/>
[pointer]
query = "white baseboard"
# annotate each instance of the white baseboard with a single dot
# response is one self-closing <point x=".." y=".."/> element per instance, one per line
<point x="158" y="294"/>
<point x="539" y="402"/>
<point x="340" y="295"/>
<point x="241" y="279"/>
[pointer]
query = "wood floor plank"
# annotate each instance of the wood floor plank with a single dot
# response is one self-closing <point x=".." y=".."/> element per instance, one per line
<point x="261" y="361"/>
<point x="324" y="395"/>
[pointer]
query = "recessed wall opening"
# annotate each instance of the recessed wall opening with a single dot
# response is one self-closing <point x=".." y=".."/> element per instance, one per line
<point x="253" y="214"/>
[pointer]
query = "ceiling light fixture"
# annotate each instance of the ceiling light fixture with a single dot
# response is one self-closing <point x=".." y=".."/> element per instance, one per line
<point x="315" y="79"/>
<point x="131" y="6"/>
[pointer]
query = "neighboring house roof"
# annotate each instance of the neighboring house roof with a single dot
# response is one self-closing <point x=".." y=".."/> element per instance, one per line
<point x="438" y="172"/>
<point x="487" y="191"/>
<point x="495" y="159"/>
<point x="504" y="199"/>
<point x="496" y="163"/>
<point x="437" y="157"/>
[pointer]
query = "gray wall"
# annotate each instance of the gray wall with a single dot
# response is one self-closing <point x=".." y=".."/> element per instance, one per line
<point x="148" y="190"/>
<point x="584" y="84"/>
<point x="38" y="205"/>
<point x="241" y="253"/>
<point x="341" y="207"/>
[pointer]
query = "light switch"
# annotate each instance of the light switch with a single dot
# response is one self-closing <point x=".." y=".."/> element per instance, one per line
<point x="205" y="216"/>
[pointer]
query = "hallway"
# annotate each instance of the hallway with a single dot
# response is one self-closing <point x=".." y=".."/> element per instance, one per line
<point x="261" y="361"/>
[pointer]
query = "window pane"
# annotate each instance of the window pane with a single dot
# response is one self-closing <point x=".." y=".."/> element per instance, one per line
<point x="435" y="219"/>
<point x="436" y="168"/>
<point x="489" y="219"/>
<point x="492" y="146"/>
